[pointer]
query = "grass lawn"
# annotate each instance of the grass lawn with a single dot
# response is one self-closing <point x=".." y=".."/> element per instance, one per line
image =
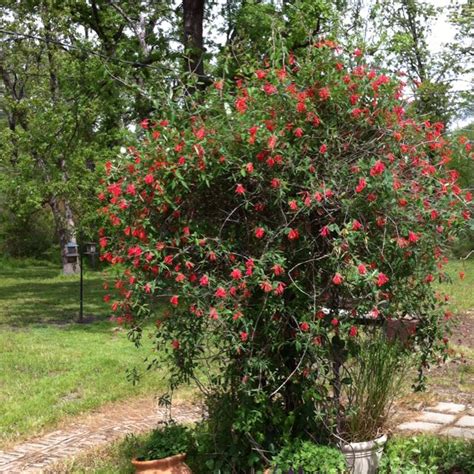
<point x="461" y="290"/>
<point x="50" y="366"/>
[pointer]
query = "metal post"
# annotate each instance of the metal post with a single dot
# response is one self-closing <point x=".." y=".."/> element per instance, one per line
<point x="81" y="310"/>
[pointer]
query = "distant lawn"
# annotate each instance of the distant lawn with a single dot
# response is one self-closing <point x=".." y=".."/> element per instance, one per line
<point x="461" y="290"/>
<point x="50" y="366"/>
<point x="36" y="293"/>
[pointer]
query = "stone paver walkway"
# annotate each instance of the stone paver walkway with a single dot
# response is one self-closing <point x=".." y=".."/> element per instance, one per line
<point x="450" y="419"/>
<point x="35" y="455"/>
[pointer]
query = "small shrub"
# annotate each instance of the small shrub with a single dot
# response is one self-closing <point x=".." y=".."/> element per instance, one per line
<point x="163" y="442"/>
<point x="307" y="457"/>
<point x="428" y="454"/>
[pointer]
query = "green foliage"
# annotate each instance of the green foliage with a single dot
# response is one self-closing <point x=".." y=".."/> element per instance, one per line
<point x="165" y="441"/>
<point x="30" y="236"/>
<point x="427" y="455"/>
<point x="310" y="458"/>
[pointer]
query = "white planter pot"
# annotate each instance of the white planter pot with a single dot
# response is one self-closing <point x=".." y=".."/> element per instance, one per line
<point x="364" y="458"/>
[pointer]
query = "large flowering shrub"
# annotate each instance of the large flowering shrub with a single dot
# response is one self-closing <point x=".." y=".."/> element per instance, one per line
<point x="263" y="230"/>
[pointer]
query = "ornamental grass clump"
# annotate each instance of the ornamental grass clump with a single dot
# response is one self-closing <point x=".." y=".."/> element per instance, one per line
<point x="263" y="227"/>
<point x="376" y="373"/>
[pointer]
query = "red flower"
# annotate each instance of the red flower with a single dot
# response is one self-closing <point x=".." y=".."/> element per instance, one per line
<point x="324" y="231"/>
<point x="293" y="234"/>
<point x="241" y="104"/>
<point x="362" y="269"/>
<point x="356" y="225"/>
<point x="298" y="132"/>
<point x="220" y="293"/>
<point x="335" y="322"/>
<point x="337" y="279"/>
<point x="131" y="189"/>
<point x="300" y="107"/>
<point x="277" y="269"/>
<point x="280" y="288"/>
<point x="323" y="148"/>
<point x="361" y="185"/>
<point x="324" y="93"/>
<point x="244" y="336"/>
<point x="174" y="300"/>
<point x="266" y="286"/>
<point x="269" y="88"/>
<point x="236" y="274"/>
<point x="272" y="142"/>
<point x="353" y="331"/>
<point x="213" y="314"/>
<point x="293" y="205"/>
<point x="259" y="232"/>
<point x="462" y="275"/>
<point x="374" y="313"/>
<point x="239" y="189"/>
<point x="249" y="167"/>
<point x="382" y="279"/>
<point x="304" y="326"/>
<point x="175" y="344"/>
<point x="412" y="237"/>
<point x="377" y="169"/>
<point x="275" y="183"/>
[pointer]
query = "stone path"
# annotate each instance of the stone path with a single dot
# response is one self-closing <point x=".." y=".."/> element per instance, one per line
<point x="95" y="430"/>
<point x="450" y="419"/>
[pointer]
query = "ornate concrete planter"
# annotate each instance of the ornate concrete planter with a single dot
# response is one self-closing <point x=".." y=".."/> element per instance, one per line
<point x="364" y="458"/>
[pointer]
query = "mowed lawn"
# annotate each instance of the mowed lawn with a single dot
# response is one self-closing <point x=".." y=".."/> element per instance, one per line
<point x="461" y="288"/>
<point x="50" y="366"/>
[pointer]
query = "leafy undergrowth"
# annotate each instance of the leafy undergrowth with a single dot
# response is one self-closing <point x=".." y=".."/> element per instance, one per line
<point x="428" y="455"/>
<point x="402" y="455"/>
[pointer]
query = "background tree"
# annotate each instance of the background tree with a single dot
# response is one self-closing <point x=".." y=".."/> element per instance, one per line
<point x="77" y="76"/>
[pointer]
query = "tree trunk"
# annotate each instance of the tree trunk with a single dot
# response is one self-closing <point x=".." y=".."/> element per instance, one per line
<point x="193" y="17"/>
<point x="66" y="232"/>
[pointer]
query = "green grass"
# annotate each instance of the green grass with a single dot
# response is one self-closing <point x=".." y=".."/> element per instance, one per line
<point x="461" y="291"/>
<point x="50" y="366"/>
<point x="35" y="293"/>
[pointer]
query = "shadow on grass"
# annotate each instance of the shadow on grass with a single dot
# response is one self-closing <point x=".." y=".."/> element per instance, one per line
<point x="39" y="295"/>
